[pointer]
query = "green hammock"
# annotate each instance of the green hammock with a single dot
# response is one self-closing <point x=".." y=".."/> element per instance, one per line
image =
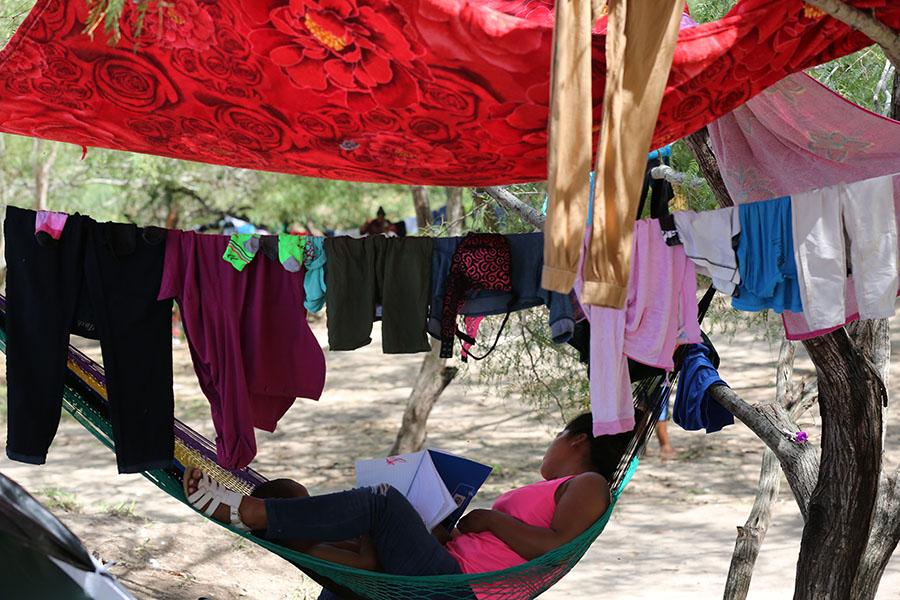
<point x="85" y="402"/>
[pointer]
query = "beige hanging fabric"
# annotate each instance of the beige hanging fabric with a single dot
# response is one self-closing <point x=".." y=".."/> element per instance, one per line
<point x="640" y="42"/>
<point x="569" y="143"/>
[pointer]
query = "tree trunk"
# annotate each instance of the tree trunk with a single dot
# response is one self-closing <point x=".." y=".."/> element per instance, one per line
<point x="895" y="95"/>
<point x="750" y="537"/>
<point x="43" y="164"/>
<point x="420" y="202"/>
<point x="875" y="340"/>
<point x="456" y="218"/>
<point x="434" y="377"/>
<point x="435" y="374"/>
<point x="171" y="210"/>
<point x="883" y="539"/>
<point x="841" y="507"/>
<point x="699" y="144"/>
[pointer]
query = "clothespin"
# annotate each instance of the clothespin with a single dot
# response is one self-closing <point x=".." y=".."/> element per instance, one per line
<point x="798" y="437"/>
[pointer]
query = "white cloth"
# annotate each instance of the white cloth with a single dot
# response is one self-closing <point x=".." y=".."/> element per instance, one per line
<point x="708" y="238"/>
<point x="820" y="218"/>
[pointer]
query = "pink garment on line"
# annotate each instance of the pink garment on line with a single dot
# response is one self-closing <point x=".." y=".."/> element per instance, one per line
<point x="472" y="325"/>
<point x="798" y="136"/>
<point x="50" y="222"/>
<point x="660" y="314"/>
<point x="533" y="504"/>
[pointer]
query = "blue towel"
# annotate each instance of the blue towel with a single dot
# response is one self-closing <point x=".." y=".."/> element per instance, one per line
<point x="694" y="409"/>
<point x="765" y="255"/>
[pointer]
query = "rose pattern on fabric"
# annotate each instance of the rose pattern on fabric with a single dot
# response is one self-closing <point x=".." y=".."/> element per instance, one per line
<point x="227" y="66"/>
<point x="132" y="83"/>
<point x="365" y="49"/>
<point x="403" y="91"/>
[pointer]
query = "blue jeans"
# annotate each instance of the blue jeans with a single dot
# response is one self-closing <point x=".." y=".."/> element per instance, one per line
<point x="403" y="544"/>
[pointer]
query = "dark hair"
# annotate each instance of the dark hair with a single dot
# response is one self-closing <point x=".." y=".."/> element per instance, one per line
<point x="606" y="451"/>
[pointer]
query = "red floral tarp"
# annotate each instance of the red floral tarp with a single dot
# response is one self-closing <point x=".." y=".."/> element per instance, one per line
<point x="443" y="92"/>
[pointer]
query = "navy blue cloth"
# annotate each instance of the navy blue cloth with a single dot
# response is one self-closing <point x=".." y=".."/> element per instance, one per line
<point x="403" y="545"/>
<point x="765" y="256"/>
<point x="527" y="251"/>
<point x="694" y="409"/>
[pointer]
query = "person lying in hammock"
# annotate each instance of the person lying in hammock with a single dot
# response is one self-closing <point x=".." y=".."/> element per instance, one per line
<point x="376" y="528"/>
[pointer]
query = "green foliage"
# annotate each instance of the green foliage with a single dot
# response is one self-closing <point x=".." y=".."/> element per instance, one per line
<point x="123" y="510"/>
<point x="108" y="13"/>
<point x="58" y="499"/>
<point x="704" y="11"/>
<point x="548" y="376"/>
<point x="12" y="13"/>
<point x="860" y="77"/>
<point x="149" y="189"/>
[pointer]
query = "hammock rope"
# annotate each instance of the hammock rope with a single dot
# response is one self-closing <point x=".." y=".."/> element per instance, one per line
<point x="84" y="397"/>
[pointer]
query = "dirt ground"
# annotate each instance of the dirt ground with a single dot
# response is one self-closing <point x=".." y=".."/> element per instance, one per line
<point x="671" y="536"/>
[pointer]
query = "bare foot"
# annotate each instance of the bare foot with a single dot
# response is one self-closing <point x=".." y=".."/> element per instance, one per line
<point x="667" y="453"/>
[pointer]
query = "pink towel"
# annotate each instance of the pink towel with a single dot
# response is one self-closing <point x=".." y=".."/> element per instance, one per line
<point x="659" y="315"/>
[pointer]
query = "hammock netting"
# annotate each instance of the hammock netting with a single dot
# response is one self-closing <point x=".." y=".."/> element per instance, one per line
<point x="401" y="91"/>
<point x="84" y="397"/>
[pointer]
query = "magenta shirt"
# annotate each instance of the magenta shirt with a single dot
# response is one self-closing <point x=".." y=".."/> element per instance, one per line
<point x="252" y="348"/>
<point x="481" y="552"/>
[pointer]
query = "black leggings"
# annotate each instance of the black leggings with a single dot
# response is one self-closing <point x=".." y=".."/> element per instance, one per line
<point x="108" y="273"/>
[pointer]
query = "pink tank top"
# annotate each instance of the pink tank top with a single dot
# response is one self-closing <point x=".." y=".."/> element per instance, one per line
<point x="533" y="504"/>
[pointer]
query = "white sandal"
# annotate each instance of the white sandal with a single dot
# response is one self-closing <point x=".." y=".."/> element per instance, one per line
<point x="211" y="491"/>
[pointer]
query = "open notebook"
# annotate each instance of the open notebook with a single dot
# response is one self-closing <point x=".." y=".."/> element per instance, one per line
<point x="438" y="484"/>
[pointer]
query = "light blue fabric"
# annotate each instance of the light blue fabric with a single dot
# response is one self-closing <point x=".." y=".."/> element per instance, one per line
<point x="694" y="409"/>
<point x="664" y="152"/>
<point x="765" y="256"/>
<point x="314" y="280"/>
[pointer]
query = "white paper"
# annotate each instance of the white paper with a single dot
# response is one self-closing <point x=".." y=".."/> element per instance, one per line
<point x="414" y="476"/>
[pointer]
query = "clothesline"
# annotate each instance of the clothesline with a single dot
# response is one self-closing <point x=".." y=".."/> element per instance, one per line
<point x="242" y="300"/>
<point x="677" y="177"/>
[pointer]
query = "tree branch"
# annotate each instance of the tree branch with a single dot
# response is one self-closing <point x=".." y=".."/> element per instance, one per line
<point x="699" y="144"/>
<point x="750" y="537"/>
<point x="864" y="22"/>
<point x="512" y="204"/>
<point x="677" y="177"/>
<point x="799" y="461"/>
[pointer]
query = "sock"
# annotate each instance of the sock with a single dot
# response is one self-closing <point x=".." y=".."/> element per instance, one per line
<point x="291" y="250"/>
<point x="242" y="247"/>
